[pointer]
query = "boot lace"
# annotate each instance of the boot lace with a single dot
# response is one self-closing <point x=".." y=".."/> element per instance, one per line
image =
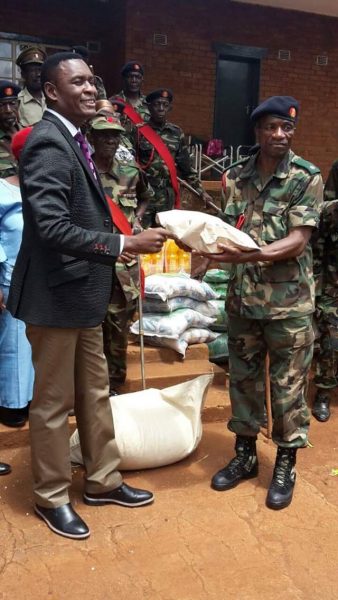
<point x="285" y="462"/>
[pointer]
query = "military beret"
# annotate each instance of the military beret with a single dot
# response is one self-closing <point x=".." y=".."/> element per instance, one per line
<point x="8" y="90"/>
<point x="160" y="93"/>
<point x="31" y="54"/>
<point x="284" y="107"/>
<point x="101" y="122"/>
<point x="132" y="65"/>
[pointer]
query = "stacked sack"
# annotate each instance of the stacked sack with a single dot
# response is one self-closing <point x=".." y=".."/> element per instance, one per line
<point x="177" y="311"/>
<point x="218" y="280"/>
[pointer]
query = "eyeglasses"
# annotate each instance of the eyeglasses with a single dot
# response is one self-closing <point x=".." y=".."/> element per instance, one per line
<point x="287" y="128"/>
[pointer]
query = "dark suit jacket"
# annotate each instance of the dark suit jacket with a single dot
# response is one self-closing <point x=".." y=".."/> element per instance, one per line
<point x="64" y="270"/>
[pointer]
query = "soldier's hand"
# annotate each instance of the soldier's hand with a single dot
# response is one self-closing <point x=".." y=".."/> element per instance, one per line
<point x="125" y="257"/>
<point x="229" y="255"/>
<point x="149" y="241"/>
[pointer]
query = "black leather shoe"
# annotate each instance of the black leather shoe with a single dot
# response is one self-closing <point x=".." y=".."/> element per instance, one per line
<point x="13" y="417"/>
<point x="123" y="495"/>
<point x="5" y="468"/>
<point x="321" y="407"/>
<point x="243" y="466"/>
<point x="283" y="480"/>
<point x="64" y="521"/>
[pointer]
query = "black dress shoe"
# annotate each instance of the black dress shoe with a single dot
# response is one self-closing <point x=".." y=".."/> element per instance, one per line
<point x="5" y="468"/>
<point x="64" y="521"/>
<point x="123" y="495"/>
<point x="321" y="407"/>
<point x="13" y="417"/>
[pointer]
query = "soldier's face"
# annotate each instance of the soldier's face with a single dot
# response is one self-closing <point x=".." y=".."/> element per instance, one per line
<point x="133" y="82"/>
<point x="32" y="76"/>
<point x="105" y="142"/>
<point x="274" y="136"/>
<point x="72" y="92"/>
<point x="159" y="110"/>
<point x="8" y="114"/>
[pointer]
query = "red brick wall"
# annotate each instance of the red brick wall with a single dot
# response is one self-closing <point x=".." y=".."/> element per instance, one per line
<point x="188" y="63"/>
<point x="74" y="22"/>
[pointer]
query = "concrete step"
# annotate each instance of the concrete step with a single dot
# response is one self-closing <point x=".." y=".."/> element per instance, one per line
<point x="160" y="375"/>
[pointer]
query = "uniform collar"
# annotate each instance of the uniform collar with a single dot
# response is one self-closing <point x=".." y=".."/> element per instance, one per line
<point x="250" y="169"/>
<point x="25" y="97"/>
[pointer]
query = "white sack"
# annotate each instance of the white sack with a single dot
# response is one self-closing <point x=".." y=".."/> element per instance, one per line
<point x="166" y="286"/>
<point x="171" y="325"/>
<point x="193" y="335"/>
<point x="153" y="427"/>
<point x="202" y="232"/>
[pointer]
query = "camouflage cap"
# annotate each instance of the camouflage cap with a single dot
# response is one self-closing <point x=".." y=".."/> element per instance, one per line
<point x="132" y="65"/>
<point x="164" y="93"/>
<point x="102" y="122"/>
<point x="32" y="54"/>
<point x="8" y="90"/>
<point x="284" y="107"/>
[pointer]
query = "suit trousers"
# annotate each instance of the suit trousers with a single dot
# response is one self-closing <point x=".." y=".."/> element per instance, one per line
<point x="70" y="372"/>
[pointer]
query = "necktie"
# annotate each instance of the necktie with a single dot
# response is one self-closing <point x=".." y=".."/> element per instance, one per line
<point x="85" y="151"/>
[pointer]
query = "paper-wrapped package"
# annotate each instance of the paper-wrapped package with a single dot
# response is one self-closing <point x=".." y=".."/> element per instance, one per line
<point x="203" y="232"/>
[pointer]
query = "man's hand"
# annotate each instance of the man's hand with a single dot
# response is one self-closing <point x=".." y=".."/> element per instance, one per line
<point x="149" y="241"/>
<point x="229" y="255"/>
<point x="125" y="258"/>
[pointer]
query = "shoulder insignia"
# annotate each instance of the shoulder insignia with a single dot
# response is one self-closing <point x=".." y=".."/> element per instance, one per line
<point x="305" y="164"/>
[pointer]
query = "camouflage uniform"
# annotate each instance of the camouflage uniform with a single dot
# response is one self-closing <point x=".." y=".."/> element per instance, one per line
<point x="141" y="107"/>
<point x="270" y="305"/>
<point x="125" y="184"/>
<point x="101" y="90"/>
<point x="325" y="254"/>
<point x="157" y="170"/>
<point x="331" y="186"/>
<point x="8" y="164"/>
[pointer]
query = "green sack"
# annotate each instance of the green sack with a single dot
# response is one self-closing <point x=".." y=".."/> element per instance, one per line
<point x="218" y="349"/>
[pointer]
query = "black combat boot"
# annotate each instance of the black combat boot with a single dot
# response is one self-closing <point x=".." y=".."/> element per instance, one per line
<point x="321" y="406"/>
<point x="243" y="466"/>
<point x="283" y="479"/>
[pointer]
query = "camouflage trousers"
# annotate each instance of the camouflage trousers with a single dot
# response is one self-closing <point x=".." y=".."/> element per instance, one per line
<point x="289" y="343"/>
<point x="115" y="335"/>
<point x="326" y="376"/>
<point x="160" y="205"/>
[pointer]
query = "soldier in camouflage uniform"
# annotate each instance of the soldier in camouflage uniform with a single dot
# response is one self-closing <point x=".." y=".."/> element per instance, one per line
<point x="160" y="103"/>
<point x="276" y="197"/>
<point x="8" y="126"/>
<point x="325" y="255"/>
<point x="125" y="183"/>
<point x="132" y="74"/>
<point x="331" y="185"/>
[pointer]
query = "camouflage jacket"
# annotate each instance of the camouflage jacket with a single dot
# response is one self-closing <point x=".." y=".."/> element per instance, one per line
<point x="157" y="170"/>
<point x="331" y="185"/>
<point x="292" y="197"/>
<point x="126" y="185"/>
<point x="325" y="261"/>
<point x="141" y="108"/>
<point x="8" y="164"/>
<point x="101" y="90"/>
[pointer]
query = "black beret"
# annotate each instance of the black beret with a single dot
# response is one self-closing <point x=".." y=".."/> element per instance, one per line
<point x="160" y="93"/>
<point x="284" y="107"/>
<point x="8" y="90"/>
<point x="132" y="65"/>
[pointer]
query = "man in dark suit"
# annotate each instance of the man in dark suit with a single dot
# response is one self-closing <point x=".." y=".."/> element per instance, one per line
<point x="61" y="287"/>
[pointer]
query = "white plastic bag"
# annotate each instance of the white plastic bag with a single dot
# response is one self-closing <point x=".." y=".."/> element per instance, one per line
<point x="153" y="427"/>
<point x="166" y="286"/>
<point x="171" y="325"/>
<point x="193" y="335"/>
<point x="204" y="232"/>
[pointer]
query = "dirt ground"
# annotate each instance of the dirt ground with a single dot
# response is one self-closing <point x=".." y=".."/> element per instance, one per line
<point x="192" y="544"/>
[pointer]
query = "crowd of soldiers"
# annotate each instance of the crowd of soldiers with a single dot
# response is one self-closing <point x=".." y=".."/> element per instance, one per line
<point x="139" y="155"/>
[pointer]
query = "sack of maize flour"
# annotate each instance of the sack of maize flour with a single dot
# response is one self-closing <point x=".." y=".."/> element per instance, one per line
<point x="193" y="335"/>
<point x="153" y="427"/>
<point x="171" y="325"/>
<point x="203" y="232"/>
<point x="165" y="286"/>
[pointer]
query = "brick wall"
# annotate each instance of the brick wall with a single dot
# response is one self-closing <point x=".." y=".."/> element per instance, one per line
<point x="188" y="63"/>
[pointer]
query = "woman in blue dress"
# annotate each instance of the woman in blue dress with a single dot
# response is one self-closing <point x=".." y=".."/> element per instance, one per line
<point x="16" y="369"/>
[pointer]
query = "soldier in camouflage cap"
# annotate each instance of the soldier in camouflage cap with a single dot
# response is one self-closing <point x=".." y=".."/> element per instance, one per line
<point x="160" y="104"/>
<point x="125" y="183"/>
<point x="275" y="197"/>
<point x="132" y="74"/>
<point x="325" y="260"/>
<point x="8" y="126"/>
